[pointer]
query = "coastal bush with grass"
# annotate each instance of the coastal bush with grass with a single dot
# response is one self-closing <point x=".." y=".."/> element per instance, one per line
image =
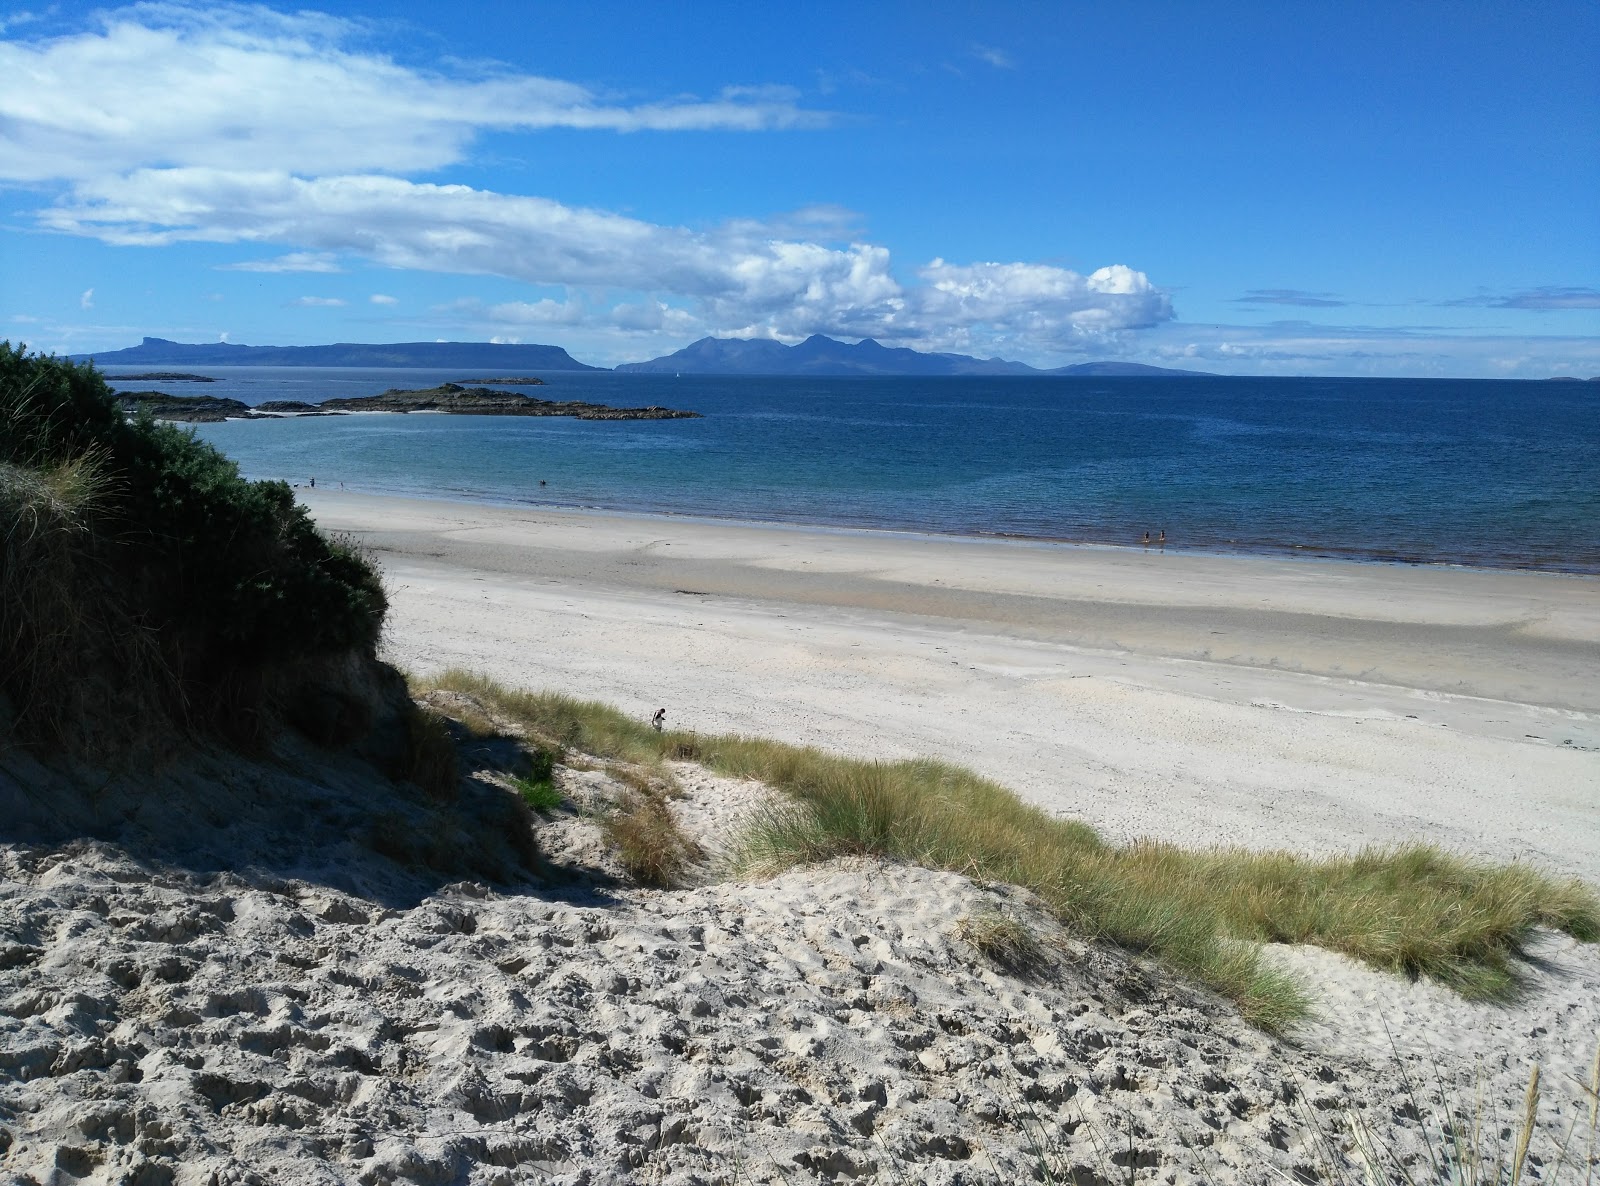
<point x="143" y="581"/>
<point x="1414" y="910"/>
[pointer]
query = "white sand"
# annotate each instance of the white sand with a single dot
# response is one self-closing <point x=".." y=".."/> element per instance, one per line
<point x="314" y="1014"/>
<point x="1204" y="699"/>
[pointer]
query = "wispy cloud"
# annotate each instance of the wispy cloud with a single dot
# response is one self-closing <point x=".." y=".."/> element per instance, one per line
<point x="1291" y="296"/>
<point x="216" y="85"/>
<point x="295" y="261"/>
<point x="382" y="298"/>
<point x="86" y="301"/>
<point x="1304" y="348"/>
<point x="1539" y="299"/>
<point x="998" y="58"/>
<point x="314" y="302"/>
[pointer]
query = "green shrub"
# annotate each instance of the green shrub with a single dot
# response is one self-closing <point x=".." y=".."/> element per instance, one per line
<point x="118" y="531"/>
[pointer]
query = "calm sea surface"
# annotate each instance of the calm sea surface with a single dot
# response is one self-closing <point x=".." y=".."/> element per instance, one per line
<point x="1476" y="472"/>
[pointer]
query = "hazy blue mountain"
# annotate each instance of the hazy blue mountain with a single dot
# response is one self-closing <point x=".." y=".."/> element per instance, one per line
<point x="1125" y="369"/>
<point x="818" y="355"/>
<point x="437" y="355"/>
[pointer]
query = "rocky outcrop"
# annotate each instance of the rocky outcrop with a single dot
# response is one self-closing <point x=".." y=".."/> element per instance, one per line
<point x="454" y="399"/>
<point x="190" y="409"/>
<point x="449" y="398"/>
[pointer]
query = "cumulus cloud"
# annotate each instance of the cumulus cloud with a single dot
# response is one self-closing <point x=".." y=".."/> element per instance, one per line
<point x="315" y="302"/>
<point x="216" y="85"/>
<point x="383" y="298"/>
<point x="295" y="261"/>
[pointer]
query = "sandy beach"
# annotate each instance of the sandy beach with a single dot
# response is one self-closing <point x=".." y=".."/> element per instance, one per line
<point x="198" y="988"/>
<point x="1270" y="702"/>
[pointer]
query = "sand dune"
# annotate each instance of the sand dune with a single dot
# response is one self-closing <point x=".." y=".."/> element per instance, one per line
<point x="216" y="992"/>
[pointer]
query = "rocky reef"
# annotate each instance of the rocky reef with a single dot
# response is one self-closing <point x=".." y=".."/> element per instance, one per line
<point x="448" y="398"/>
<point x="457" y="400"/>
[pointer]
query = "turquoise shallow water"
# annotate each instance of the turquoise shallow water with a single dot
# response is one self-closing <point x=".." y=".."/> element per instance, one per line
<point x="1477" y="472"/>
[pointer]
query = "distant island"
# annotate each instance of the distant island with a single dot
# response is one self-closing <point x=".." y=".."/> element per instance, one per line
<point x="819" y="355"/>
<point x="167" y="377"/>
<point x="449" y="398"/>
<point x="442" y="355"/>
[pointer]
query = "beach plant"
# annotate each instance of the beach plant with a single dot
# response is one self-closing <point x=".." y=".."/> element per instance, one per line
<point x="1412" y="910"/>
<point x="541" y="794"/>
<point x="1004" y="940"/>
<point x="138" y="562"/>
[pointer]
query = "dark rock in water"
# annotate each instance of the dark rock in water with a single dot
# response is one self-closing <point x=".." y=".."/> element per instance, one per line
<point x="456" y="400"/>
<point x="449" y="398"/>
<point x="190" y="409"/>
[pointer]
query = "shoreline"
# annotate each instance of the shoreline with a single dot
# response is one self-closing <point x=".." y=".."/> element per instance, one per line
<point x="1302" y="552"/>
<point x="1191" y="697"/>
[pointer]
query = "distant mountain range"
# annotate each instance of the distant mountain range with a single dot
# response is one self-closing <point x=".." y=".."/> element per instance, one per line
<point x="439" y="355"/>
<point x="818" y="355"/>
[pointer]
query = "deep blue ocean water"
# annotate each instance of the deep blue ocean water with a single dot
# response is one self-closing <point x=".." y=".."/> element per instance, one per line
<point x="1492" y="473"/>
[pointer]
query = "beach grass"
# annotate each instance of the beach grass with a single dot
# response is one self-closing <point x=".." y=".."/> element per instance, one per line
<point x="1412" y="910"/>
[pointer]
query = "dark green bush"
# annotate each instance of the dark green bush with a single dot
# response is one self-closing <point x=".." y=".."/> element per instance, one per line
<point x="230" y="577"/>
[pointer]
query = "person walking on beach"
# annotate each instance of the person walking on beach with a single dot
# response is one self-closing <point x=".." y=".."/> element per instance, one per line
<point x="659" y="719"/>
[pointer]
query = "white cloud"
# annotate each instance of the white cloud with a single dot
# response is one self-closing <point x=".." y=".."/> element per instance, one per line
<point x="86" y="301"/>
<point x="329" y="129"/>
<point x="380" y="298"/>
<point x="312" y="302"/>
<point x="213" y="86"/>
<point x="295" y="261"/>
<point x="998" y="58"/>
<point x="1037" y="303"/>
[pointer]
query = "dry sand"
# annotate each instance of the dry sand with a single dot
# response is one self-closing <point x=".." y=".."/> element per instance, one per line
<point x="221" y="999"/>
<point x="1206" y="699"/>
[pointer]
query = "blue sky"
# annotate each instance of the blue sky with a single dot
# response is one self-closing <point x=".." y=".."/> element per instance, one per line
<point x="1302" y="188"/>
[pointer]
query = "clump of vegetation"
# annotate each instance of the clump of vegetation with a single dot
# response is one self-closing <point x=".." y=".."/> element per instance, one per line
<point x="1413" y="910"/>
<point x="430" y="759"/>
<point x="142" y="578"/>
<point x="538" y="786"/>
<point x="1004" y="940"/>
<point x="650" y="846"/>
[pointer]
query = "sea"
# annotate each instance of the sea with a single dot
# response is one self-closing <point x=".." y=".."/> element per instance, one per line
<point x="1415" y="471"/>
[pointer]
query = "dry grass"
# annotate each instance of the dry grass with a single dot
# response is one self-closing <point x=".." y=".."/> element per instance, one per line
<point x="430" y="758"/>
<point x="1004" y="941"/>
<point x="650" y="845"/>
<point x="1413" y="910"/>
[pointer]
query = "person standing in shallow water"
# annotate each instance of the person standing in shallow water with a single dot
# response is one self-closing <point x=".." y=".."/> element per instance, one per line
<point x="1147" y="539"/>
<point x="1161" y="539"/>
